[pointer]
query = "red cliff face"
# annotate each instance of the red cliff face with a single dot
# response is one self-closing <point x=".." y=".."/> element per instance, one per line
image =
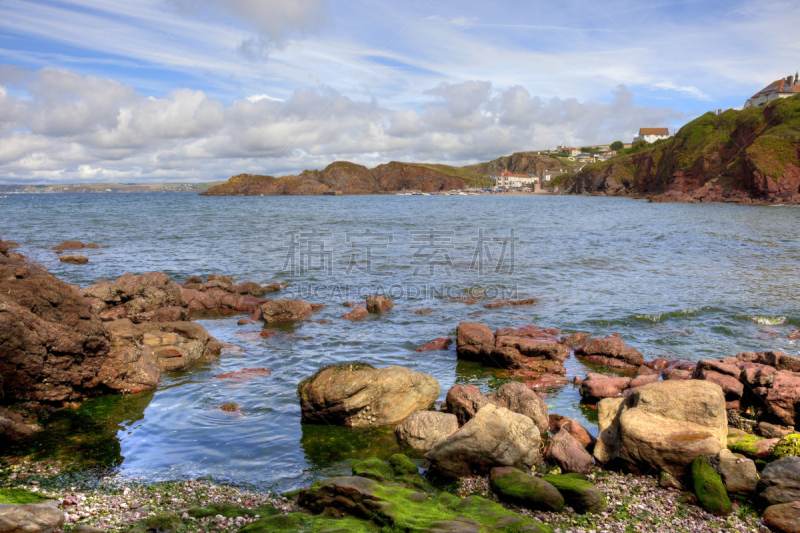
<point x="750" y="156"/>
<point x="344" y="177"/>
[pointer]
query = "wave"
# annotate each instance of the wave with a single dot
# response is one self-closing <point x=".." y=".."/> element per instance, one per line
<point x="768" y="320"/>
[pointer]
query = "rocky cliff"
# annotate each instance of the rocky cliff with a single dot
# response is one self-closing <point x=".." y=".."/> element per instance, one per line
<point x="749" y="156"/>
<point x="349" y="178"/>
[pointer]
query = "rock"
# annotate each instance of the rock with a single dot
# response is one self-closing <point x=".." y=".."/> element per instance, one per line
<point x="788" y="446"/>
<point x="664" y="425"/>
<point x="575" y="339"/>
<point x="784" y="517"/>
<point x="360" y="395"/>
<point x="131" y="295"/>
<point x="739" y="474"/>
<point x="708" y="487"/>
<point x="780" y="482"/>
<point x="470" y="337"/>
<point x="86" y="528"/>
<point x="578" y="493"/>
<point x="546" y="381"/>
<point x="273" y="311"/>
<point x="643" y="380"/>
<point x="131" y="365"/>
<point x="464" y="401"/>
<point x="657" y="364"/>
<point x="668" y="481"/>
<point x="425" y="311"/>
<point x="524" y="490"/>
<point x="599" y="386"/>
<point x="723" y="375"/>
<point x="610" y="351"/>
<point x="179" y="345"/>
<point x="503" y="302"/>
<point x="518" y="398"/>
<point x="74" y="259"/>
<point x="425" y="429"/>
<point x="794" y="336"/>
<point x="441" y="343"/>
<point x="69" y="245"/>
<point x="194" y="280"/>
<point x="245" y="322"/>
<point x="558" y="422"/>
<point x="356" y="314"/>
<point x="783" y="399"/>
<point x="535" y="348"/>
<point x="14" y="427"/>
<point x="244" y="375"/>
<point x="52" y="344"/>
<point x="378" y="304"/>
<point x="752" y="446"/>
<point x="564" y="451"/>
<point x="30" y="518"/>
<point x="494" y="437"/>
<point x="771" y="431"/>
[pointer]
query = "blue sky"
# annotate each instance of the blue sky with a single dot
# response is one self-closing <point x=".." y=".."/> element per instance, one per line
<point x="199" y="90"/>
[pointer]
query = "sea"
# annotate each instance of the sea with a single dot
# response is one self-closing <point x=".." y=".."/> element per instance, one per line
<point x="680" y="281"/>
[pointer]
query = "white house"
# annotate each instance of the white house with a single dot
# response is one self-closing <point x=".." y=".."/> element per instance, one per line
<point x="651" y="135"/>
<point x="774" y="91"/>
<point x="507" y="180"/>
<point x="548" y="175"/>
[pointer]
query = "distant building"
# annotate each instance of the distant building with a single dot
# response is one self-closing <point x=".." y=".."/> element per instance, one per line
<point x="774" y="91"/>
<point x="549" y="175"/>
<point x="651" y="135"/>
<point x="585" y="158"/>
<point x="507" y="180"/>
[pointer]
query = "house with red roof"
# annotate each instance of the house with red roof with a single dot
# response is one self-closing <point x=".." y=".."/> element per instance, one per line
<point x="651" y="135"/>
<point x="774" y="91"/>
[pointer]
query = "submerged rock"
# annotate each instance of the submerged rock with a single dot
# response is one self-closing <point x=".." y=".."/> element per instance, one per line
<point x="356" y="314"/>
<point x="378" y="304"/>
<point x="441" y="343"/>
<point x="273" y="311"/>
<point x="75" y="259"/>
<point x="494" y="437"/>
<point x="360" y="395"/>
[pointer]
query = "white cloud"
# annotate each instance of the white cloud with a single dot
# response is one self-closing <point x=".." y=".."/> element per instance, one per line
<point x="105" y="131"/>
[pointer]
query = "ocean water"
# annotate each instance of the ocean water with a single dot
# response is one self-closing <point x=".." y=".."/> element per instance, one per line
<point x="682" y="281"/>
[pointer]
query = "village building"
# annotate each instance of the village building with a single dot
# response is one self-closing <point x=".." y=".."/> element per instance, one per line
<point x="774" y="91"/>
<point x="651" y="135"/>
<point x="508" y="180"/>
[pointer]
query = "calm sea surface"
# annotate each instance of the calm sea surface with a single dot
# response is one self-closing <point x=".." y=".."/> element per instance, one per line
<point x="675" y="280"/>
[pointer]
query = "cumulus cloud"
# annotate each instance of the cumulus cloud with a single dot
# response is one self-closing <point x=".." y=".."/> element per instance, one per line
<point x="59" y="126"/>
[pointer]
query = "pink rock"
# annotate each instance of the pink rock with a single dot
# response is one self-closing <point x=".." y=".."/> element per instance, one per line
<point x="357" y="314"/>
<point x="464" y="401"/>
<point x="378" y="304"/>
<point x="568" y="453"/>
<point x="643" y="380"/>
<point x="783" y="399"/>
<point x="599" y="386"/>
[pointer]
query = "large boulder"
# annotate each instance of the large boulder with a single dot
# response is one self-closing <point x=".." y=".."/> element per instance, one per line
<point x="425" y="429"/>
<point x="131" y="365"/>
<point x="464" y="401"/>
<point x="30" y="518"/>
<point x="133" y="296"/>
<point x="518" y="398"/>
<point x="52" y="344"/>
<point x="179" y="345"/>
<point x="780" y="482"/>
<point x="566" y="452"/>
<point x="519" y="488"/>
<point x="664" y="425"/>
<point x="494" y="437"/>
<point x="360" y="395"/>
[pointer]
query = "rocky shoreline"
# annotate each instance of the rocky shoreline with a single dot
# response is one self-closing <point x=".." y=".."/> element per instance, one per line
<point x="711" y="445"/>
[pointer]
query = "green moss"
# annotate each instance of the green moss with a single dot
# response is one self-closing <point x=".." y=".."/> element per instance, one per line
<point x="163" y="523"/>
<point x="19" y="496"/>
<point x="708" y="487"/>
<point x="402" y="465"/>
<point x="770" y="154"/>
<point x="373" y="468"/>
<point x="518" y="488"/>
<point x="302" y="523"/>
<point x="230" y="511"/>
<point x="788" y="446"/>
<point x="578" y="493"/>
<point x="744" y="444"/>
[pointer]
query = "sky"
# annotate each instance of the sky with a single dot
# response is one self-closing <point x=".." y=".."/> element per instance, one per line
<point x="138" y="91"/>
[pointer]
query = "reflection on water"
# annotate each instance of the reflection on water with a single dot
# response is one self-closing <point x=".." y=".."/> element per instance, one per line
<point x="675" y="280"/>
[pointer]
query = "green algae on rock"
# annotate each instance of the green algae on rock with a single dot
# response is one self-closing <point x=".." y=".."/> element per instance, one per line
<point x="303" y="523"/>
<point x="578" y="492"/>
<point x="518" y="488"/>
<point x="19" y="496"/>
<point x="709" y="488"/>
<point x="230" y="511"/>
<point x="788" y="446"/>
<point x="398" y="469"/>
